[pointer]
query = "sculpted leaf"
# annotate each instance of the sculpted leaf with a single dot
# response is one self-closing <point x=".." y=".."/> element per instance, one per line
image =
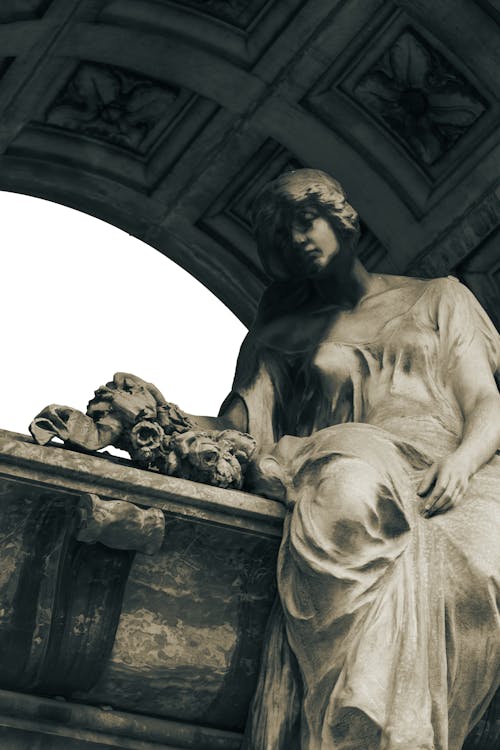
<point x="69" y="117"/>
<point x="454" y="108"/>
<point x="410" y="62"/>
<point x="95" y="85"/>
<point x="149" y="103"/>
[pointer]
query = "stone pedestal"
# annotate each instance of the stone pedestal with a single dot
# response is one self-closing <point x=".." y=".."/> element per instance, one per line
<point x="168" y="642"/>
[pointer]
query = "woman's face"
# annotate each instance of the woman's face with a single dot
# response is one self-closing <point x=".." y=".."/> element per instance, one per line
<point x="313" y="240"/>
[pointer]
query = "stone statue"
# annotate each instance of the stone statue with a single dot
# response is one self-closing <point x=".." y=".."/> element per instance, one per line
<point x="375" y="395"/>
<point x="373" y="403"/>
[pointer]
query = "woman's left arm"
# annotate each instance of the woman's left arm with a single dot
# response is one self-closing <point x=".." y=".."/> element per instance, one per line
<point x="477" y="394"/>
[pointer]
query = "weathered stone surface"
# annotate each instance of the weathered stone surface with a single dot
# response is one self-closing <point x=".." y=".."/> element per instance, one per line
<point x="133" y="415"/>
<point x="192" y="616"/>
<point x="191" y="627"/>
<point x="120" y="525"/>
<point x="28" y="721"/>
<point x="59" y="599"/>
<point x="117" y="479"/>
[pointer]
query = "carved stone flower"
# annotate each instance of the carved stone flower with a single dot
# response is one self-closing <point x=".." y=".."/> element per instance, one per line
<point x="145" y="439"/>
<point x="112" y="104"/>
<point x="204" y="457"/>
<point x="241" y="445"/>
<point x="417" y="93"/>
<point x="199" y="447"/>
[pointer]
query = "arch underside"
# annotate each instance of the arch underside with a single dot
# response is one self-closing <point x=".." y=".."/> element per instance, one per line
<point x="165" y="117"/>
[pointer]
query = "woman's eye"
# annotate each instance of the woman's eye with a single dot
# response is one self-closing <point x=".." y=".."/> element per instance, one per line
<point x="306" y="219"/>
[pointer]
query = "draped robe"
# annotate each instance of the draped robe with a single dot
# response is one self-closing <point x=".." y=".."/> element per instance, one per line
<point x="387" y="631"/>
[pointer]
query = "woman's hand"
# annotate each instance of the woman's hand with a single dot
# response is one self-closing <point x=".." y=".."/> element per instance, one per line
<point x="267" y="477"/>
<point x="444" y="483"/>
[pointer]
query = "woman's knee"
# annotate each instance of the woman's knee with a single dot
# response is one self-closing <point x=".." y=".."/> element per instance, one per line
<point x="348" y="490"/>
<point x="354" y="506"/>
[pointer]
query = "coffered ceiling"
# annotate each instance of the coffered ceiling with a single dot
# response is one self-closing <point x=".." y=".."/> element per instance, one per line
<point x="165" y="117"/>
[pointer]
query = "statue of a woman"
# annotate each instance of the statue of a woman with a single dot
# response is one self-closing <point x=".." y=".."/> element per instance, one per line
<point x="373" y="401"/>
<point x="377" y="395"/>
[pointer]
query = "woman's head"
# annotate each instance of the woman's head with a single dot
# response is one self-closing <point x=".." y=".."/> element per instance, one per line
<point x="304" y="224"/>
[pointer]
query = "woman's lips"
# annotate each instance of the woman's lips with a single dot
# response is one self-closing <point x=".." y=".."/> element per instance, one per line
<point x="312" y="255"/>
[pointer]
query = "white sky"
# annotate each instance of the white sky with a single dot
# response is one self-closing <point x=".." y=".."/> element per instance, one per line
<point x="81" y="300"/>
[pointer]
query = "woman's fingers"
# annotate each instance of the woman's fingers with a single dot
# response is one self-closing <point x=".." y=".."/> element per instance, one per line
<point x="442" y="486"/>
<point x="428" y="480"/>
<point x="447" y="500"/>
<point x="447" y="505"/>
<point x="437" y="504"/>
<point x="442" y="492"/>
<point x="439" y="495"/>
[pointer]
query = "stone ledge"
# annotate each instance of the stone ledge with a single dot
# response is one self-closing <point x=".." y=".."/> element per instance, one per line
<point x="22" y="716"/>
<point x="53" y="467"/>
<point x="175" y="634"/>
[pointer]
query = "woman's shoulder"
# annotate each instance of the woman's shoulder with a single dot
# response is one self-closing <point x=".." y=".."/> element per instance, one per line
<point x="443" y="288"/>
<point x="420" y="284"/>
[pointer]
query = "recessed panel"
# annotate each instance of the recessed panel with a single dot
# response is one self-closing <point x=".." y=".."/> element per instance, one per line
<point x="420" y="97"/>
<point x="117" y="106"/>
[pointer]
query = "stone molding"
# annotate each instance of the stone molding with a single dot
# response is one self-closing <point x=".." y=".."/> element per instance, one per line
<point x="166" y="619"/>
<point x="59" y="722"/>
<point x="56" y="468"/>
<point x="461" y="239"/>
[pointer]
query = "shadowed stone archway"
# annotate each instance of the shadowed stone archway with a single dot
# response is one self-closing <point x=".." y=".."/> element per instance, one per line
<point x="165" y="117"/>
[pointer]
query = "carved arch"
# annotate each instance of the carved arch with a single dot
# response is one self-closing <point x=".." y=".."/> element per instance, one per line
<point x="163" y="118"/>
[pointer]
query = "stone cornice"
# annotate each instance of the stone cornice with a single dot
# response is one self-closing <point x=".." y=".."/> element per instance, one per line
<point x="92" y="726"/>
<point x="58" y="468"/>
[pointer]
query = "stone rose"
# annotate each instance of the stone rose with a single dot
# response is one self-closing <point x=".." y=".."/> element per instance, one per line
<point x="199" y="448"/>
<point x="145" y="438"/>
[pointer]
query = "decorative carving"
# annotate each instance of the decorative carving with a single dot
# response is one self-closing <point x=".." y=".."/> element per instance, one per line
<point x="227" y="219"/>
<point x="114" y="105"/>
<point x="460" y="239"/>
<point x="134" y="416"/>
<point x="120" y="525"/>
<point x="60" y="601"/>
<point x="420" y="97"/>
<point x="192" y="618"/>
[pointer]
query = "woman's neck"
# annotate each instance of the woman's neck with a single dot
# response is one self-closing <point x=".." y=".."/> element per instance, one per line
<point x="349" y="289"/>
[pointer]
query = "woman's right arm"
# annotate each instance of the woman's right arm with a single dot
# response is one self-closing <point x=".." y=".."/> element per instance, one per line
<point x="232" y="416"/>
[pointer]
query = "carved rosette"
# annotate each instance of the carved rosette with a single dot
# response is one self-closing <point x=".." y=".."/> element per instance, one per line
<point x="420" y="97"/>
<point x="114" y="105"/>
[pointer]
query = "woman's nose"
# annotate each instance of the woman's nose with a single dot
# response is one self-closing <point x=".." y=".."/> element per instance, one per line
<point x="298" y="237"/>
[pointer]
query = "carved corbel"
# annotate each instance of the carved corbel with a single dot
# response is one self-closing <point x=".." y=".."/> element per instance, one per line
<point x="120" y="525"/>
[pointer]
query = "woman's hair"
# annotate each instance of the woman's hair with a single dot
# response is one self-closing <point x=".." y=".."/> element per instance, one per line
<point x="278" y="203"/>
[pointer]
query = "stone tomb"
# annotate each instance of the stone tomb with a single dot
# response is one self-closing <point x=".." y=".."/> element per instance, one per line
<point x="106" y="647"/>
